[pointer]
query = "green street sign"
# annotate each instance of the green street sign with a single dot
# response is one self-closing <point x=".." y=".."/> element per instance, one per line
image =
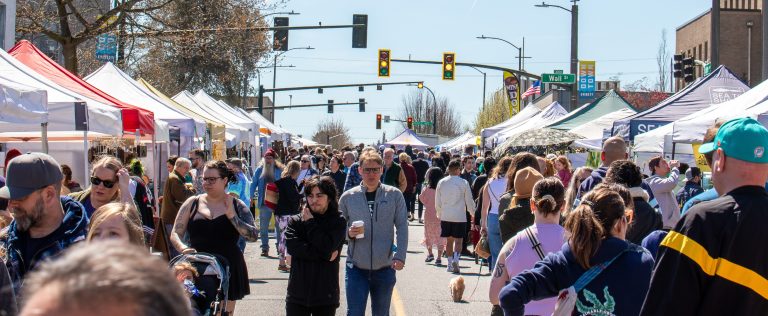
<point x="558" y="78"/>
<point x="559" y="71"/>
<point x="422" y="123"/>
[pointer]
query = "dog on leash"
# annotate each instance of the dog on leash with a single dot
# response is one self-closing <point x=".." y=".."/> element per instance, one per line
<point x="457" y="288"/>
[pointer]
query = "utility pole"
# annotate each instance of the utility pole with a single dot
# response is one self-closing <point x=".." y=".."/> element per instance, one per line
<point x="574" y="46"/>
<point x="715" y="31"/>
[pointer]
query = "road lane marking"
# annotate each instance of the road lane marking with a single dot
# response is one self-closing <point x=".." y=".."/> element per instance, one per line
<point x="397" y="303"/>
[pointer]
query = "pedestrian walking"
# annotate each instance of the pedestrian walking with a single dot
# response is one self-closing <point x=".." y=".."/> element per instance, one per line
<point x="288" y="202"/>
<point x="432" y="230"/>
<point x="645" y="218"/>
<point x="393" y="174"/>
<point x="421" y="166"/>
<point x="371" y="261"/>
<point x="492" y="193"/>
<point x="269" y="170"/>
<point x="197" y="157"/>
<point x="528" y="247"/>
<point x="116" y="221"/>
<point x="314" y="239"/>
<point x="337" y="174"/>
<point x="453" y="198"/>
<point x="110" y="182"/>
<point x="663" y="180"/>
<point x="354" y="178"/>
<point x="609" y="275"/>
<point x="519" y="215"/>
<point x="175" y="193"/>
<point x="713" y="261"/>
<point x="614" y="148"/>
<point x="410" y="178"/>
<point x="213" y="223"/>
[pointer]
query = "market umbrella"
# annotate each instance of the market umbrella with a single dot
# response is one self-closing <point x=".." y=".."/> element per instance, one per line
<point x="537" y="141"/>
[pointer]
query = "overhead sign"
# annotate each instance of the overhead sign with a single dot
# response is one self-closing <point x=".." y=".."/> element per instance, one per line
<point x="587" y="78"/>
<point x="417" y="123"/>
<point x="558" y="78"/>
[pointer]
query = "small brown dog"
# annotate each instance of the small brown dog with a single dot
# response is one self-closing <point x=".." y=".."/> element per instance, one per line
<point x="457" y="288"/>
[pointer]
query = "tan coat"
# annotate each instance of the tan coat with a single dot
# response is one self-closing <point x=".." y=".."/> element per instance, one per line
<point x="174" y="194"/>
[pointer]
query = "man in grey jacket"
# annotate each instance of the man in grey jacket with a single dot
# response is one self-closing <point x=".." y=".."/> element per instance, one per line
<point x="663" y="181"/>
<point x="372" y="255"/>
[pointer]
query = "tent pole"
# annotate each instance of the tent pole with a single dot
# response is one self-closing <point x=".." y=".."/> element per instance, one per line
<point x="44" y="132"/>
<point x="85" y="152"/>
<point x="673" y="149"/>
<point x="156" y="175"/>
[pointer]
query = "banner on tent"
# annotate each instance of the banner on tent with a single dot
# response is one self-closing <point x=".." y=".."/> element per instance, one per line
<point x="641" y="126"/>
<point x="512" y="84"/>
<point x="701" y="162"/>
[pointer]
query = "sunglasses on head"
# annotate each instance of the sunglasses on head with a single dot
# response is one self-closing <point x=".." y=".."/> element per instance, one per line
<point x="107" y="183"/>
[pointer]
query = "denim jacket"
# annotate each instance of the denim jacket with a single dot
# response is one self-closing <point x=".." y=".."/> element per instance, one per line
<point x="353" y="177"/>
<point x="73" y="229"/>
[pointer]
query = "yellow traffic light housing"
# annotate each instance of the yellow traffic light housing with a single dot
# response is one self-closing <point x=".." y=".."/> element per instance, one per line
<point x="384" y="62"/>
<point x="449" y="66"/>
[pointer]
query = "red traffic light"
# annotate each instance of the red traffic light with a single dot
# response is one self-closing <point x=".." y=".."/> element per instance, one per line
<point x="378" y="117"/>
<point x="410" y="119"/>
<point x="384" y="54"/>
<point x="448" y="58"/>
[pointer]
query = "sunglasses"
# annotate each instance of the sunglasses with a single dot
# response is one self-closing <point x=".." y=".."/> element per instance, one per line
<point x="211" y="180"/>
<point x="107" y="183"/>
<point x="371" y="170"/>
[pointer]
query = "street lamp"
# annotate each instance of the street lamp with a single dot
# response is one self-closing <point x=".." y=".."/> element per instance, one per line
<point x="475" y="68"/>
<point x="574" y="45"/>
<point x="421" y="85"/>
<point x="258" y="71"/>
<point x="274" y="73"/>
<point x="282" y="13"/>
<point x="519" y="49"/>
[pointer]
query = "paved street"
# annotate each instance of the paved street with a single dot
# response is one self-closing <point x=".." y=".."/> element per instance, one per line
<point x="422" y="289"/>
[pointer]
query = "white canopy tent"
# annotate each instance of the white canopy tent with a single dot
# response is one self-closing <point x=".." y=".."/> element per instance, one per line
<point x="251" y="128"/>
<point x="548" y="115"/>
<point x="22" y="104"/>
<point x="407" y="137"/>
<point x="594" y="129"/>
<point x="458" y="143"/>
<point x="527" y="113"/>
<point x="234" y="132"/>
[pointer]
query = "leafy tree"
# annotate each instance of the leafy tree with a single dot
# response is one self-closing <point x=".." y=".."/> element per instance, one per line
<point x="495" y="111"/>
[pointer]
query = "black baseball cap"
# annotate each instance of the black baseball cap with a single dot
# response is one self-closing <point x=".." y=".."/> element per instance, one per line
<point x="28" y="173"/>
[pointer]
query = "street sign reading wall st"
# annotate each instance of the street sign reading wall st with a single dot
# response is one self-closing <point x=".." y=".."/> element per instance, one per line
<point x="558" y="78"/>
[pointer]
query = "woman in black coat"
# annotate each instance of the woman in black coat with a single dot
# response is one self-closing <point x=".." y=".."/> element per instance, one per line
<point x="314" y="240"/>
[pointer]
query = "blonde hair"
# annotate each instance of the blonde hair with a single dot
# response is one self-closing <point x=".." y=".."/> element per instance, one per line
<point x="371" y="156"/>
<point x="108" y="162"/>
<point x="404" y="158"/>
<point x="129" y="215"/>
<point x="184" y="266"/>
<point x="292" y="167"/>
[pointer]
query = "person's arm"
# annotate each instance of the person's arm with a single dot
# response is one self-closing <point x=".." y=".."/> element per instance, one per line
<point x="124" y="182"/>
<point x="180" y="227"/>
<point x="255" y="184"/>
<point x="439" y="199"/>
<point x="241" y="218"/>
<point x="500" y="276"/>
<point x="666" y="184"/>
<point x="543" y="281"/>
<point x="402" y="181"/>
<point x="469" y="203"/>
<point x="349" y="182"/>
<point x="298" y="247"/>
<point x="484" y="209"/>
<point x="325" y="241"/>
<point x="401" y="228"/>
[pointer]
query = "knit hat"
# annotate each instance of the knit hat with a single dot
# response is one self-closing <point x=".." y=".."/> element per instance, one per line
<point x="270" y="152"/>
<point x="13" y="153"/>
<point x="525" y="179"/>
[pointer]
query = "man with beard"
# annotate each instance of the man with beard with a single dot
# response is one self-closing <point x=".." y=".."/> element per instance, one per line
<point x="44" y="223"/>
<point x="268" y="171"/>
<point x="197" y="157"/>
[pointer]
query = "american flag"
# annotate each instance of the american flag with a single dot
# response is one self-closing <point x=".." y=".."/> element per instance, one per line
<point x="533" y="90"/>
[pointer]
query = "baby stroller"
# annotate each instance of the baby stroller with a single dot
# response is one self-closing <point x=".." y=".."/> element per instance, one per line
<point x="212" y="281"/>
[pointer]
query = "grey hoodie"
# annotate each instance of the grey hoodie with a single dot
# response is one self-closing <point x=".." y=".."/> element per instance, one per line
<point x="374" y="251"/>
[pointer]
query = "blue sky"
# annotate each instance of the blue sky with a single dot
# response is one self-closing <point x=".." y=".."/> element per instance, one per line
<point x="621" y="36"/>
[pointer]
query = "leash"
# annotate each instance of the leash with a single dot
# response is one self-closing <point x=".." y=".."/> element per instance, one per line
<point x="477" y="283"/>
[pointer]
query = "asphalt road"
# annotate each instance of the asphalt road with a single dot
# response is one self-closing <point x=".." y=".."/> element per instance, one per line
<point x="421" y="289"/>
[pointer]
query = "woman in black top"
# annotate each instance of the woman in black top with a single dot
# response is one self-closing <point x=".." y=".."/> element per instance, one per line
<point x="337" y="175"/>
<point x="314" y="239"/>
<point x="288" y="202"/>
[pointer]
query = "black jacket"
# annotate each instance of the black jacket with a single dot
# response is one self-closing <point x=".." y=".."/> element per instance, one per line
<point x="314" y="279"/>
<point x="715" y="261"/>
<point x="515" y="218"/>
<point x="338" y="178"/>
<point x="421" y="167"/>
<point x="288" y="197"/>
<point x="646" y="219"/>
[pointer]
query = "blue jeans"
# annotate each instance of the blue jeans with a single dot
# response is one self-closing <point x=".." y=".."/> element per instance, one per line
<point x="265" y="214"/>
<point x="494" y="238"/>
<point x="360" y="282"/>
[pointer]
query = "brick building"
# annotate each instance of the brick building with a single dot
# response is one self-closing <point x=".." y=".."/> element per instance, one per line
<point x="740" y="39"/>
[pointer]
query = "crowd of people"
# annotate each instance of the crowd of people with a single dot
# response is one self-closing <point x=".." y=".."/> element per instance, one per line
<point x="559" y="240"/>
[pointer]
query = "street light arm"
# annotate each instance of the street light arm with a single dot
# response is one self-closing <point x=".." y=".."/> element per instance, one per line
<point x="499" y="39"/>
<point x="475" y="68"/>
<point x="546" y="5"/>
<point x="276" y="13"/>
<point x="290" y="49"/>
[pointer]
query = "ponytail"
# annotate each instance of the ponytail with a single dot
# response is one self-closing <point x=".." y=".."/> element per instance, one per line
<point x="549" y="196"/>
<point x="592" y="221"/>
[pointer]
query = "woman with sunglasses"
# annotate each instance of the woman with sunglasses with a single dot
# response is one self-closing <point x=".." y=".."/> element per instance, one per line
<point x="110" y="182"/>
<point x="214" y="222"/>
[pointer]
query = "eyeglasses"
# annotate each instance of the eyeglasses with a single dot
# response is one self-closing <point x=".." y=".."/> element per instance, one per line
<point x="107" y="183"/>
<point x="371" y="170"/>
<point x="305" y="161"/>
<point x="211" y="180"/>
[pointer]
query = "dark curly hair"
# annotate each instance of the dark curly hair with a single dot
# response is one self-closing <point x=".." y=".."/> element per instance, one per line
<point x="328" y="187"/>
<point x="434" y="175"/>
<point x="224" y="171"/>
<point x="624" y="172"/>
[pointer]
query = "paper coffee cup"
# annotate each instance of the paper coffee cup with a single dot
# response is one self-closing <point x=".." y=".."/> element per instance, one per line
<point x="359" y="224"/>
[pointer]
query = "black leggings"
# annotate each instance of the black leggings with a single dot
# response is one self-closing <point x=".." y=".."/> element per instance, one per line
<point x="301" y="310"/>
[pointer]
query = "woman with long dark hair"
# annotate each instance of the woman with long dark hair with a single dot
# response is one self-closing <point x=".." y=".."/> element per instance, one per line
<point x="337" y="174"/>
<point x="619" y="271"/>
<point x="314" y="239"/>
<point x="214" y="222"/>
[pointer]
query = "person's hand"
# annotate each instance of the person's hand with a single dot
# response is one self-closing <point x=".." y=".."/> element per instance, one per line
<point x="334" y="255"/>
<point x="306" y="214"/>
<point x="354" y="231"/>
<point x="483" y="231"/>
<point x="123" y="179"/>
<point x="230" y="212"/>
<point x="475" y="227"/>
<point x="188" y="250"/>
<point x="397" y="264"/>
<point x="674" y="163"/>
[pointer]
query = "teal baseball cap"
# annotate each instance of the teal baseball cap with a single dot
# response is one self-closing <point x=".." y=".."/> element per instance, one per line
<point x="743" y="138"/>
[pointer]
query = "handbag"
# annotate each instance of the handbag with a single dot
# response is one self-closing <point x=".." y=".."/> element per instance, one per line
<point x="567" y="298"/>
<point x="271" y="196"/>
<point x="482" y="248"/>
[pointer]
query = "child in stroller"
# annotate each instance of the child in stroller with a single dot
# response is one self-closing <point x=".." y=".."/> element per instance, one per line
<point x="205" y="277"/>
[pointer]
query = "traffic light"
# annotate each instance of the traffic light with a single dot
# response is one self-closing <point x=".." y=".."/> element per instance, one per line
<point x="330" y="106"/>
<point x="677" y="66"/>
<point x="384" y="63"/>
<point x="362" y="104"/>
<point x="410" y="122"/>
<point x="420" y="85"/>
<point x="360" y="34"/>
<point x="449" y="66"/>
<point x="688" y="65"/>
<point x="378" y="121"/>
<point x="280" y="37"/>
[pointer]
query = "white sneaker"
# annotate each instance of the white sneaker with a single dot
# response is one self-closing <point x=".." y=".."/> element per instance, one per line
<point x="450" y="265"/>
